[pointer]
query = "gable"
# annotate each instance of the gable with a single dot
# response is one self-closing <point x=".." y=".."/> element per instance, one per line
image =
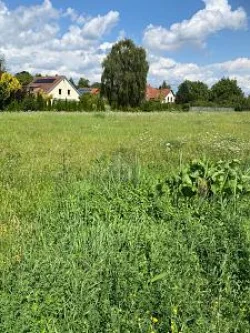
<point x="64" y="90"/>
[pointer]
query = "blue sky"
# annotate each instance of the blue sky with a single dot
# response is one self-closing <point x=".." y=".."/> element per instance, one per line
<point x="197" y="39"/>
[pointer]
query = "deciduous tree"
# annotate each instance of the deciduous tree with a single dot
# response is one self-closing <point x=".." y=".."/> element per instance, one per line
<point x="9" y="85"/>
<point x="24" y="77"/>
<point x="83" y="83"/>
<point x="192" y="91"/>
<point x="226" y="91"/>
<point x="124" y="76"/>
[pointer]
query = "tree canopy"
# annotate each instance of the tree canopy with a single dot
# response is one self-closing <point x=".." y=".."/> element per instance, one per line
<point x="226" y="91"/>
<point x="83" y="83"/>
<point x="24" y="77"/>
<point x="8" y="86"/>
<point x="124" y="76"/>
<point x="191" y="91"/>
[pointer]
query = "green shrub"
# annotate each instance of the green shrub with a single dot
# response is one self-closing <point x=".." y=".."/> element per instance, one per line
<point x="206" y="178"/>
<point x="185" y="107"/>
<point x="13" y="106"/>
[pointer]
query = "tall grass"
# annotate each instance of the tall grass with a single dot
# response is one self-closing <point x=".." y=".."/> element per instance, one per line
<point x="93" y="248"/>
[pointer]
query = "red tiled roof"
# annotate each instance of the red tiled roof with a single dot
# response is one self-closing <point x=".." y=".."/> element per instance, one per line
<point x="154" y="93"/>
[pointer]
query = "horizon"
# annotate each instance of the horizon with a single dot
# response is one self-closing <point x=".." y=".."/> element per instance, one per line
<point x="205" y="40"/>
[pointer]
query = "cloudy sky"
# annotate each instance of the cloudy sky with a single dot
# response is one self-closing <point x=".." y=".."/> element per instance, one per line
<point x="194" y="39"/>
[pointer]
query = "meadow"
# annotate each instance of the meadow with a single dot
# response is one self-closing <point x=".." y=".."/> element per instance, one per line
<point x="88" y="243"/>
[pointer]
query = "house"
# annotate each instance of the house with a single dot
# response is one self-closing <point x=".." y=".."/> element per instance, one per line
<point x="163" y="95"/>
<point x="58" y="87"/>
<point x="87" y="90"/>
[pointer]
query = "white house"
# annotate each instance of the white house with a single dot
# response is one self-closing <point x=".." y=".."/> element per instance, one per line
<point x="163" y="95"/>
<point x="58" y="87"/>
<point x="169" y="96"/>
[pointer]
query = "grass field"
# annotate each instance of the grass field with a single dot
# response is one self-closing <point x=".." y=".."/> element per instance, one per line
<point x="87" y="244"/>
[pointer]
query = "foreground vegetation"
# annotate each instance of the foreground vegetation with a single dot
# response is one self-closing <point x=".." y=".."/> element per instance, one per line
<point x="94" y="240"/>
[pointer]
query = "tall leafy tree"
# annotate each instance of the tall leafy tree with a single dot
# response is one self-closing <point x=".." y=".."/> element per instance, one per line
<point x="24" y="77"/>
<point x="83" y="83"/>
<point x="192" y="91"/>
<point x="226" y="91"/>
<point x="124" y="76"/>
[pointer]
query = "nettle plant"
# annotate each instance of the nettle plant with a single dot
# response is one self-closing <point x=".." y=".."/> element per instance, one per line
<point x="206" y="178"/>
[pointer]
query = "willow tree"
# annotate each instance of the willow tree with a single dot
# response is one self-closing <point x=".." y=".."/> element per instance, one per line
<point x="124" y="76"/>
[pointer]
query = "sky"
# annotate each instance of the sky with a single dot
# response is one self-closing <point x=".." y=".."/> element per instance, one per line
<point x="185" y="40"/>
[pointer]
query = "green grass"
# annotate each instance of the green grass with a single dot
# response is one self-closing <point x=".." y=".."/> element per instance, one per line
<point x="87" y="244"/>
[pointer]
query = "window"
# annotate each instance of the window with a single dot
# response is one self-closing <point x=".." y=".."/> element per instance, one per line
<point x="60" y="91"/>
<point x="68" y="92"/>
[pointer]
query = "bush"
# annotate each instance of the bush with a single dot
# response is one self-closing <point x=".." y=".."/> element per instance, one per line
<point x="207" y="179"/>
<point x="149" y="106"/>
<point x="13" y="106"/>
<point x="90" y="102"/>
<point x="29" y="103"/>
<point x="243" y="106"/>
<point x="185" y="107"/>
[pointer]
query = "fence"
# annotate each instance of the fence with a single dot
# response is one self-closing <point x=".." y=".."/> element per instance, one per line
<point x="210" y="109"/>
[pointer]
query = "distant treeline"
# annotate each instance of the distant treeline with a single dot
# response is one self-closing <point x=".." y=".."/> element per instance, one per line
<point x="224" y="93"/>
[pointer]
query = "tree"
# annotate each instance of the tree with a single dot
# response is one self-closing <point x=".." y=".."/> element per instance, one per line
<point x="83" y="83"/>
<point x="124" y="76"/>
<point x="226" y="92"/>
<point x="9" y="85"/>
<point x="165" y="85"/>
<point x="24" y="78"/>
<point x="192" y="91"/>
<point x="96" y="85"/>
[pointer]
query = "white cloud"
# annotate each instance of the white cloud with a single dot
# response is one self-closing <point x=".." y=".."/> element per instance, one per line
<point x="217" y="15"/>
<point x="173" y="72"/>
<point x="31" y="39"/>
<point x="100" y="25"/>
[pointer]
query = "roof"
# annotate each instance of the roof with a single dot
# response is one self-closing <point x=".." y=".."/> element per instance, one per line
<point x="87" y="90"/>
<point x="154" y="93"/>
<point x="47" y="83"/>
